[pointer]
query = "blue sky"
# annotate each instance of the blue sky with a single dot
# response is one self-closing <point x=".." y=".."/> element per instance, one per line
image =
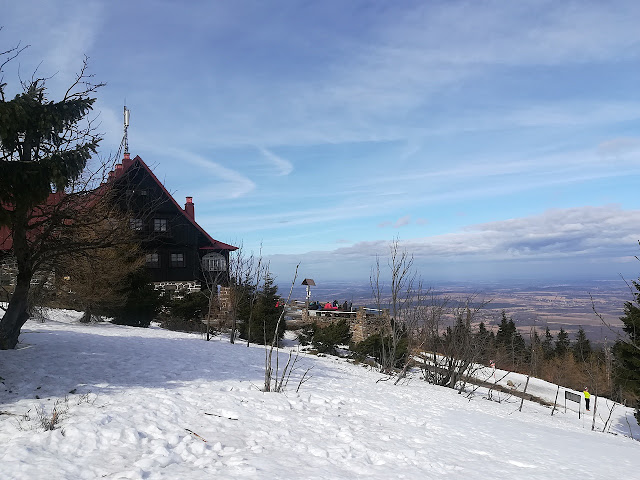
<point x="494" y="139"/>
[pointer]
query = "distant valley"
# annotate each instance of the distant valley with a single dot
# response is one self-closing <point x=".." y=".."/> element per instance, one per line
<point x="556" y="305"/>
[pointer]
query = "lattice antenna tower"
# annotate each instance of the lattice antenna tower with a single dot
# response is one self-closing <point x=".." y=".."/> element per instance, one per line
<point x="126" y="128"/>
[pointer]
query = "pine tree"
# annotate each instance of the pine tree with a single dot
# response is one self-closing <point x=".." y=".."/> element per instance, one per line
<point x="627" y="352"/>
<point x="505" y="331"/>
<point x="562" y="343"/>
<point x="510" y="340"/>
<point x="547" y="345"/>
<point x="534" y="352"/>
<point x="326" y="339"/>
<point x="265" y="316"/>
<point x="485" y="339"/>
<point x="582" y="346"/>
<point x="518" y="344"/>
<point x="143" y="301"/>
<point x="241" y="292"/>
<point x="44" y="148"/>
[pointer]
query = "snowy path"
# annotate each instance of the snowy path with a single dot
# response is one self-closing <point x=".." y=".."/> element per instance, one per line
<point x="148" y="386"/>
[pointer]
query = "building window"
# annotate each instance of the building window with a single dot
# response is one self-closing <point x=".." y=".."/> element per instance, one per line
<point x="214" y="262"/>
<point x="138" y="192"/>
<point x="152" y="260"/>
<point x="177" y="260"/>
<point x="159" y="224"/>
<point x="135" y="223"/>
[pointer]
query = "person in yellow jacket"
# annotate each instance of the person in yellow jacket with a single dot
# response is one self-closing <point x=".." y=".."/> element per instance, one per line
<point x="587" y="397"/>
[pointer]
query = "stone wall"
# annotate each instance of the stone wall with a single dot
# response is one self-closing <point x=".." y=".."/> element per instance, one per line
<point x="178" y="289"/>
<point x="367" y="324"/>
<point x="362" y="323"/>
<point x="224" y="299"/>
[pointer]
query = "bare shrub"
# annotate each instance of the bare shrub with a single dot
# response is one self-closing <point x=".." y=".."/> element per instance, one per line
<point x="50" y="421"/>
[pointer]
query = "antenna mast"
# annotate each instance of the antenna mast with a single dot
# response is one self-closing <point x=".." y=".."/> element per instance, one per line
<point x="126" y="127"/>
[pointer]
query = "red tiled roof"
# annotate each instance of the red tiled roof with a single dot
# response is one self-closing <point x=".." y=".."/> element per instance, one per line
<point x="6" y="242"/>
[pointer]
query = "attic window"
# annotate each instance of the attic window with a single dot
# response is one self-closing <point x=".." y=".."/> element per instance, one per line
<point x="214" y="262"/>
<point x="159" y="224"/>
<point x="141" y="192"/>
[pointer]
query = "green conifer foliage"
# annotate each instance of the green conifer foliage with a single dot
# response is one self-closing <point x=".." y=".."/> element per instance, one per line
<point x="374" y="346"/>
<point x="143" y="301"/>
<point x="627" y="352"/>
<point x="265" y="316"/>
<point x="582" y="346"/>
<point x="485" y="339"/>
<point x="510" y="341"/>
<point x="505" y="331"/>
<point x="44" y="147"/>
<point x="326" y="339"/>
<point x="547" y="345"/>
<point x="563" y="344"/>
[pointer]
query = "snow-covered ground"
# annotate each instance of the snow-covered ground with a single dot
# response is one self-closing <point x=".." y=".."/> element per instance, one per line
<point x="149" y="403"/>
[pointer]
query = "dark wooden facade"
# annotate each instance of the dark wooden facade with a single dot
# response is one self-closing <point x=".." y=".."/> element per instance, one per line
<point x="177" y="249"/>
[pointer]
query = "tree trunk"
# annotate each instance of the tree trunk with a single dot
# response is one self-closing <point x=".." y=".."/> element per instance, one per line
<point x="524" y="392"/>
<point x="86" y="318"/>
<point x="556" y="401"/>
<point x="16" y="314"/>
<point x="232" y="337"/>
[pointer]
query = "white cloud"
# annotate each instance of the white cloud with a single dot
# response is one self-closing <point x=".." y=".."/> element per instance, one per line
<point x="567" y="114"/>
<point x="369" y="87"/>
<point x="584" y="232"/>
<point x="230" y="183"/>
<point x="417" y="53"/>
<point x="283" y="166"/>
<point x="620" y="147"/>
<point x="379" y="81"/>
<point x="402" y="221"/>
<point x="59" y="34"/>
<point x="111" y="126"/>
<point x="487" y="175"/>
<point x="560" y="243"/>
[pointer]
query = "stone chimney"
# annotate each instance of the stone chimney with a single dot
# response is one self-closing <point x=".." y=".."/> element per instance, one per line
<point x="189" y="208"/>
<point x="118" y="169"/>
